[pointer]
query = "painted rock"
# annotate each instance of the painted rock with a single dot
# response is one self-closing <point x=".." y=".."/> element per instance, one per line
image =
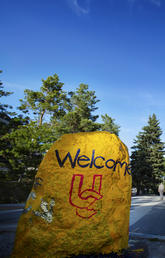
<point x="80" y="200"/>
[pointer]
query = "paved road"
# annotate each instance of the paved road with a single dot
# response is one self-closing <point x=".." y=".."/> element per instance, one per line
<point x="9" y="216"/>
<point x="147" y="216"/>
<point x="141" y="205"/>
<point x="147" y="225"/>
<point x="9" y="219"/>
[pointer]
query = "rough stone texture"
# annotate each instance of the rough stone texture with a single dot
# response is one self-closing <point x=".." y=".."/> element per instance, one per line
<point x="81" y="206"/>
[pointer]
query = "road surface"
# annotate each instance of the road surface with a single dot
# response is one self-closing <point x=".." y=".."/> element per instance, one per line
<point x="9" y="216"/>
<point x="147" y="216"/>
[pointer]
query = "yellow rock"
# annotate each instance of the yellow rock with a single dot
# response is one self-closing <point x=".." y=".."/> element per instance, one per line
<point x="80" y="200"/>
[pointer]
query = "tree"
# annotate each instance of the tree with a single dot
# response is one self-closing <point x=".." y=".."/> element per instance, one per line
<point x="147" y="157"/>
<point x="28" y="144"/>
<point x="80" y="117"/>
<point x="84" y="102"/>
<point x="4" y="107"/>
<point x="140" y="163"/>
<point x="5" y="124"/>
<point x="109" y="125"/>
<point x="29" y="141"/>
<point x="9" y="121"/>
<point x="50" y="100"/>
<point x="5" y="114"/>
<point x="50" y="112"/>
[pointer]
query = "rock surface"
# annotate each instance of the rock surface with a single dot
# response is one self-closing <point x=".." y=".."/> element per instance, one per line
<point x="80" y="200"/>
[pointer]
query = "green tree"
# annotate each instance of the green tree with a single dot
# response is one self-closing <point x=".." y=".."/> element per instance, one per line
<point x="50" y="100"/>
<point x="50" y="112"/>
<point x="30" y="140"/>
<point x="9" y="121"/>
<point x="80" y="117"/>
<point x="147" y="157"/>
<point x="84" y="102"/>
<point x="140" y="163"/>
<point x="5" y="111"/>
<point x="109" y="125"/>
<point x="4" y="107"/>
<point x="28" y="144"/>
<point x="5" y="124"/>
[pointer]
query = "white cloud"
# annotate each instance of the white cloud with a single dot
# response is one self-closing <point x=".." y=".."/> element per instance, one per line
<point x="14" y="86"/>
<point x="153" y="99"/>
<point x="155" y="2"/>
<point x="80" y="7"/>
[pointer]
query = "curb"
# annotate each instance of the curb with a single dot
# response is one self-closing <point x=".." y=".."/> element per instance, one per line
<point x="4" y="211"/>
<point x="146" y="236"/>
<point x="12" y="206"/>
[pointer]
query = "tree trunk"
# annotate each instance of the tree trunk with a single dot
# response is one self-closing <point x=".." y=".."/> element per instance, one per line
<point x="41" y="117"/>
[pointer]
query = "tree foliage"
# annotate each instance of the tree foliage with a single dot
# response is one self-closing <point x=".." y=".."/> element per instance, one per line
<point x="47" y="114"/>
<point x="50" y="100"/>
<point x="9" y="122"/>
<point x="4" y="108"/>
<point x="147" y="157"/>
<point x="84" y="102"/>
<point x="81" y="115"/>
<point x="28" y="143"/>
<point x="79" y="118"/>
<point x="109" y="125"/>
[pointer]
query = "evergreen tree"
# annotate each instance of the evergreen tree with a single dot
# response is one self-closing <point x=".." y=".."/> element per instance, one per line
<point x="29" y="141"/>
<point x="147" y="157"/>
<point x="109" y="125"/>
<point x="140" y="163"/>
<point x="4" y="125"/>
<point x="50" y="113"/>
<point x="8" y="122"/>
<point x="84" y="102"/>
<point x="80" y="117"/>
<point x="4" y="112"/>
<point x="50" y="100"/>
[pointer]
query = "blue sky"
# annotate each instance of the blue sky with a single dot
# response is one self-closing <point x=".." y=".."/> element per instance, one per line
<point x="117" y="47"/>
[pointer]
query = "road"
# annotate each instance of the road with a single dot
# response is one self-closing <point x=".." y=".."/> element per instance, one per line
<point x="141" y="205"/>
<point x="9" y="219"/>
<point x="147" y="225"/>
<point x="147" y="218"/>
<point x="9" y="216"/>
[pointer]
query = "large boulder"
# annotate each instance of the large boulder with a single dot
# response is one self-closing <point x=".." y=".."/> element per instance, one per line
<point x="80" y="200"/>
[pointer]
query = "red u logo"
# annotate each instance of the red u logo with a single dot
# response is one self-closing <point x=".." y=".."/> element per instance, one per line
<point x="84" y="200"/>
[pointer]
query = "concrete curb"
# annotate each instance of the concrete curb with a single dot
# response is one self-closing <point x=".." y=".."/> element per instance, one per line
<point x="133" y="235"/>
<point x="12" y="206"/>
<point x="10" y="211"/>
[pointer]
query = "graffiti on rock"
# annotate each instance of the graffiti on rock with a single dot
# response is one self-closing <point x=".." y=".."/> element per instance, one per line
<point x="84" y="161"/>
<point x="46" y="212"/>
<point x="84" y="200"/>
